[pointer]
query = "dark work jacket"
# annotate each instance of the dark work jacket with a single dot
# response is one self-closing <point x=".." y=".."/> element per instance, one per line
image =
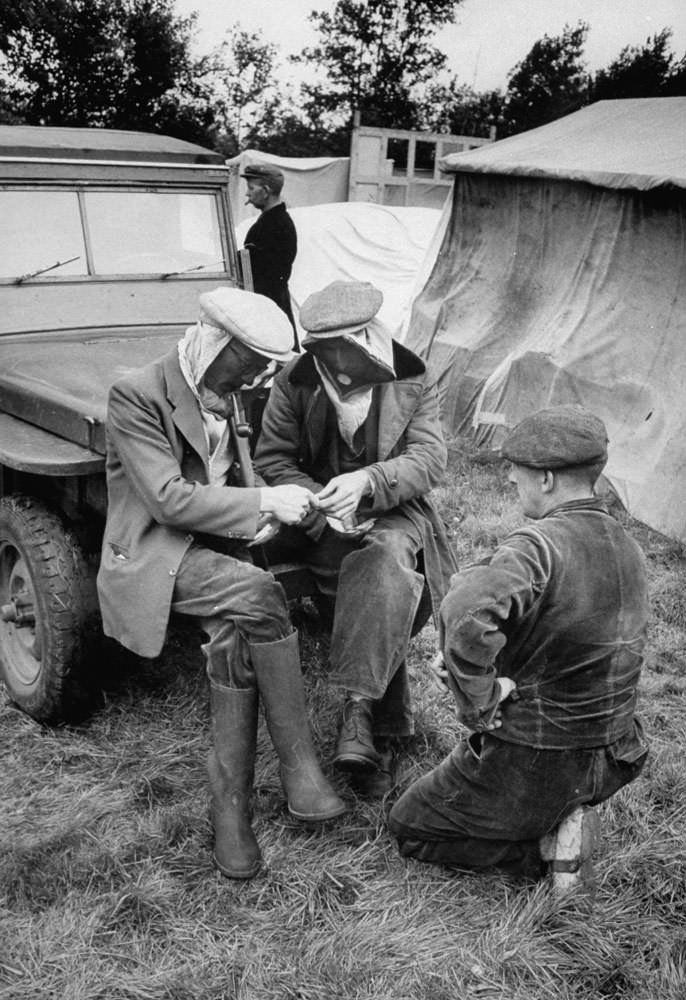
<point x="405" y="451"/>
<point x="562" y="609"/>
<point x="273" y="245"/>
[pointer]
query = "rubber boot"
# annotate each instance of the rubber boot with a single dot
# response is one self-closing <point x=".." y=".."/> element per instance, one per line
<point x="277" y="669"/>
<point x="231" y="766"/>
<point x="569" y="849"/>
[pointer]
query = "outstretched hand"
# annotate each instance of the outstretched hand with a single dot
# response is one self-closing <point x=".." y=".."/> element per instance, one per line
<point x="289" y="503"/>
<point x="342" y="494"/>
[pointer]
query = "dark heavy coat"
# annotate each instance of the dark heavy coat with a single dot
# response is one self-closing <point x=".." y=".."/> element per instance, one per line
<point x="158" y="497"/>
<point x="562" y="609"/>
<point x="406" y="453"/>
<point x="273" y="245"/>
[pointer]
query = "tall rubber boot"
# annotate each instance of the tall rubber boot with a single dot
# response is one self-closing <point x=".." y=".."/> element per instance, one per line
<point x="277" y="669"/>
<point x="231" y="767"/>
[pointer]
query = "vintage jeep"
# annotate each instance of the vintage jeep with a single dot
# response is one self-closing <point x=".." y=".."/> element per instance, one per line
<point x="109" y="237"/>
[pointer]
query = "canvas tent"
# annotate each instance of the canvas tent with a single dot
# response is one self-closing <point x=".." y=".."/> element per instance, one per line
<point x="562" y="278"/>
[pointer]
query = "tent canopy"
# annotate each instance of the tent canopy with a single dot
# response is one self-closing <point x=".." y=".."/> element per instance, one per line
<point x="562" y="278"/>
<point x="638" y="144"/>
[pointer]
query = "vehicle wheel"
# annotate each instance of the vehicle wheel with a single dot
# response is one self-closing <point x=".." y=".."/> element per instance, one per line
<point x="45" y="604"/>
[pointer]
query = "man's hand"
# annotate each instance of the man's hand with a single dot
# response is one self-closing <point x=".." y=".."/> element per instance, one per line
<point x="342" y="494"/>
<point x="439" y="672"/>
<point x="288" y="503"/>
<point x="507" y="688"/>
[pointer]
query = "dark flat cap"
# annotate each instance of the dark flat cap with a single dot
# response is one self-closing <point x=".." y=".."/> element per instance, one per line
<point x="339" y="308"/>
<point x="266" y="172"/>
<point x="556" y="438"/>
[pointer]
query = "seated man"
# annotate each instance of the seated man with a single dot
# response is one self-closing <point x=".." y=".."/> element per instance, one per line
<point x="176" y="539"/>
<point x="355" y="421"/>
<point x="542" y="649"/>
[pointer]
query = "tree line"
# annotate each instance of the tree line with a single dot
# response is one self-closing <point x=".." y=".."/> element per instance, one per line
<point x="131" y="64"/>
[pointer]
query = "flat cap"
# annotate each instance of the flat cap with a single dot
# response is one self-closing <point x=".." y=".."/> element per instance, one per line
<point x="557" y="437"/>
<point x="339" y="308"/>
<point x="253" y="319"/>
<point x="265" y="172"/>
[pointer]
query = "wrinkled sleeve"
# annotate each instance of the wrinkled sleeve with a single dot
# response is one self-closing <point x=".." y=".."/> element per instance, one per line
<point x="135" y="430"/>
<point x="484" y="604"/>
<point x="278" y="449"/>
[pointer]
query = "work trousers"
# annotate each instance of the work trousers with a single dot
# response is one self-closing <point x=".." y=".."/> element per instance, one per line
<point x="237" y="604"/>
<point x="374" y="587"/>
<point x="490" y="801"/>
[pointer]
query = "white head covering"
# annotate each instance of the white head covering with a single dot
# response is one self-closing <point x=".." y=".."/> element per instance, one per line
<point x="351" y="412"/>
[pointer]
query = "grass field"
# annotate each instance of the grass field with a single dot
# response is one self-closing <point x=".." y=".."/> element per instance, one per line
<point x="109" y="892"/>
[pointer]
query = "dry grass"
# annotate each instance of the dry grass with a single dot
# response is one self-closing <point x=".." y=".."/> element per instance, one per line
<point x="109" y="893"/>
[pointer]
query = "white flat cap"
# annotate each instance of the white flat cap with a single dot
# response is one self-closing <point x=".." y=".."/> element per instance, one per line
<point x="253" y="319"/>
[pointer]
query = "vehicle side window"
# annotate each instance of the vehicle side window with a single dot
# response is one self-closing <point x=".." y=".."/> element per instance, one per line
<point x="143" y="232"/>
<point x="40" y="228"/>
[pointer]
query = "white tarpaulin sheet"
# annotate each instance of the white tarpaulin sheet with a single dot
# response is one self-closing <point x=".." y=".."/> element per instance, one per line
<point x="393" y="248"/>
<point x="551" y="286"/>
<point x="308" y="180"/>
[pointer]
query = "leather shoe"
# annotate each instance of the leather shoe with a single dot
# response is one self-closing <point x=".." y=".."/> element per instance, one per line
<point x="355" y="750"/>
<point x="376" y="784"/>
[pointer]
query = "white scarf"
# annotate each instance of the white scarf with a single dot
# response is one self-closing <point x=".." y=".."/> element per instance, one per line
<point x="352" y="411"/>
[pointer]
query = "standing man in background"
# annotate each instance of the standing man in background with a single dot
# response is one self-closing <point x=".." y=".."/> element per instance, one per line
<point x="272" y="239"/>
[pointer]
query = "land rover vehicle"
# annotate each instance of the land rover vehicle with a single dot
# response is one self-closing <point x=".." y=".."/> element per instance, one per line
<point x="108" y="239"/>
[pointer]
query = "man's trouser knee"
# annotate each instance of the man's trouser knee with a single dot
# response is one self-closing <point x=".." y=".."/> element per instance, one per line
<point x="236" y="603"/>
<point x="490" y="801"/>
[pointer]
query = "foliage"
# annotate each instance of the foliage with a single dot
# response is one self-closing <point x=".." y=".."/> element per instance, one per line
<point x="108" y="887"/>
<point x="241" y="74"/>
<point x="462" y="110"/>
<point x="377" y="55"/>
<point x="650" y="70"/>
<point x="108" y="63"/>
<point x="550" y="82"/>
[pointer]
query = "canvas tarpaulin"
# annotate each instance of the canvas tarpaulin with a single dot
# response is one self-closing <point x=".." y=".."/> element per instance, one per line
<point x="308" y="180"/>
<point x="355" y="241"/>
<point x="554" y="285"/>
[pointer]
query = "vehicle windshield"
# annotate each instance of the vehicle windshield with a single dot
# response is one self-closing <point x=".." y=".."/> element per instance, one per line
<point x="129" y="232"/>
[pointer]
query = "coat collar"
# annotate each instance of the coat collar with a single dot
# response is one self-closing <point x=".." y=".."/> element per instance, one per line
<point x="185" y="408"/>
<point x="397" y="401"/>
<point x="407" y="365"/>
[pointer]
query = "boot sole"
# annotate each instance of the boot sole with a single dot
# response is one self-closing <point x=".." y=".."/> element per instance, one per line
<point x="355" y="762"/>
<point x="318" y="817"/>
<point x="235" y="873"/>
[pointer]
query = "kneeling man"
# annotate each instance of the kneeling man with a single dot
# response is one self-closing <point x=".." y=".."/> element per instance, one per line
<point x="542" y="649"/>
<point x="179" y="523"/>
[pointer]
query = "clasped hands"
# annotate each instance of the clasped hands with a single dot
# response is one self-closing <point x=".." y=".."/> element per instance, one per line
<point x="507" y="686"/>
<point x="291" y="503"/>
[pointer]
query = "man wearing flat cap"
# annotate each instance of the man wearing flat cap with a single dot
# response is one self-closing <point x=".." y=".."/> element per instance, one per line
<point x="179" y="526"/>
<point x="354" y="420"/>
<point x="542" y="646"/>
<point x="272" y="239"/>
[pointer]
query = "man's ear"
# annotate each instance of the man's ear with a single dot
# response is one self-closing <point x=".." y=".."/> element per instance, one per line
<point x="548" y="481"/>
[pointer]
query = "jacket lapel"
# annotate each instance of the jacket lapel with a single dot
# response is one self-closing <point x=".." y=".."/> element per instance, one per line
<point x="185" y="409"/>
<point x="397" y="403"/>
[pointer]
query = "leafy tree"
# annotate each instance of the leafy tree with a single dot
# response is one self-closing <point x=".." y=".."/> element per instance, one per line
<point x="650" y="70"/>
<point x="241" y="74"/>
<point x="110" y="63"/>
<point x="377" y="55"/>
<point x="551" y="81"/>
<point x="462" y="110"/>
